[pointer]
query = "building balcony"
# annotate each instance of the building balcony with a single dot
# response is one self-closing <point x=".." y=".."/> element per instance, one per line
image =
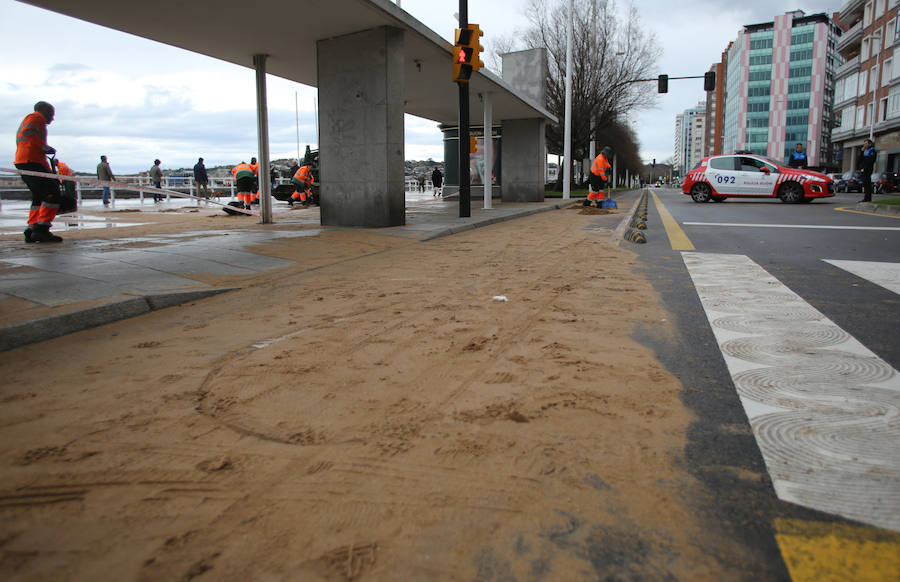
<point x="851" y="11"/>
<point x="851" y="66"/>
<point x="845" y="102"/>
<point x="850" y="41"/>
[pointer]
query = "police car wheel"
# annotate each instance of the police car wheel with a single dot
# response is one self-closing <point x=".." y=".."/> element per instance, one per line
<point x="791" y="193"/>
<point x="701" y="192"/>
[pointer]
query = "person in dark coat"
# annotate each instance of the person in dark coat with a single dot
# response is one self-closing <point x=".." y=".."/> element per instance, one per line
<point x="867" y="165"/>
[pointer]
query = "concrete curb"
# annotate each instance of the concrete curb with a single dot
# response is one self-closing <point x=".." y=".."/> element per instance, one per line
<point x="47" y="328"/>
<point x="889" y="209"/>
<point x="496" y="219"/>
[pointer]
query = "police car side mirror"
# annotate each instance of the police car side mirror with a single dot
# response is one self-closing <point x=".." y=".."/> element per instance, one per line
<point x="765" y="170"/>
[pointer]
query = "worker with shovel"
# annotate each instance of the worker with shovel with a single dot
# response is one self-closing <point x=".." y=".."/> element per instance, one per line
<point x="598" y="177"/>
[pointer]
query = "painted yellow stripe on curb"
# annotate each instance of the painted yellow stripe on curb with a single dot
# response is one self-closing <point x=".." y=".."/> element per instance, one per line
<point x="855" y="211"/>
<point x="677" y="238"/>
<point x="826" y="552"/>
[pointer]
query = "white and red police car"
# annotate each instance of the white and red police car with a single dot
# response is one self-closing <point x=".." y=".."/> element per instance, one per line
<point x="748" y="175"/>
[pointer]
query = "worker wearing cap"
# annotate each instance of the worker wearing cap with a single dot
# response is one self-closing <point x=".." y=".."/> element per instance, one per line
<point x="302" y="181"/>
<point x="598" y="177"/>
<point x="31" y="154"/>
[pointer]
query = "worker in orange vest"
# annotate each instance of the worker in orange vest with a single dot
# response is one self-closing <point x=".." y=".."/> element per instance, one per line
<point x="64" y="170"/>
<point x="31" y="154"/>
<point x="598" y="178"/>
<point x="244" y="182"/>
<point x="255" y="166"/>
<point x="302" y="181"/>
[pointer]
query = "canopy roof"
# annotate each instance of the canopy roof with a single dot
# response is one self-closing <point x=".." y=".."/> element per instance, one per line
<point x="287" y="31"/>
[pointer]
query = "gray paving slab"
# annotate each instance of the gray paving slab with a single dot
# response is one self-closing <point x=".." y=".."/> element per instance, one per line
<point x="56" y="289"/>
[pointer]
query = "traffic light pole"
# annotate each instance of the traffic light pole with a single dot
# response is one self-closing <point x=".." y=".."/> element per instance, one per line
<point x="465" y="194"/>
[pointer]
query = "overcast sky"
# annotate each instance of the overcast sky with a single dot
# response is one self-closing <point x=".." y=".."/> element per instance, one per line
<point x="134" y="99"/>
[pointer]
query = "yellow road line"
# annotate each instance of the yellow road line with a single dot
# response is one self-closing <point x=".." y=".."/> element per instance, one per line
<point x="826" y="552"/>
<point x="855" y="211"/>
<point x="677" y="238"/>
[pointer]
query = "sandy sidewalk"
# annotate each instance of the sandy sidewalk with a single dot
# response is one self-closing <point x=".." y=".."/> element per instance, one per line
<point x="369" y="414"/>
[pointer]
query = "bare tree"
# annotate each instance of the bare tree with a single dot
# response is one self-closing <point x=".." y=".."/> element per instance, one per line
<point x="610" y="52"/>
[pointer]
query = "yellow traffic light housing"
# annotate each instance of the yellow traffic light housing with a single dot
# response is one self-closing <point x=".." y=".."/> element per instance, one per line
<point x="466" y="53"/>
<point x="473" y="145"/>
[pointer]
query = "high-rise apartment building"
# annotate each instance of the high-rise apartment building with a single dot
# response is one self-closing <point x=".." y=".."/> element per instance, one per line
<point x="690" y="139"/>
<point x="779" y="87"/>
<point x="867" y="85"/>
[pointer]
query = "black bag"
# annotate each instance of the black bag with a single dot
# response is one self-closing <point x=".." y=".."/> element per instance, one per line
<point x="67" y="203"/>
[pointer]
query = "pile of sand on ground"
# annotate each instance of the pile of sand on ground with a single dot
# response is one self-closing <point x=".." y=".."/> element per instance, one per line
<point x="372" y="413"/>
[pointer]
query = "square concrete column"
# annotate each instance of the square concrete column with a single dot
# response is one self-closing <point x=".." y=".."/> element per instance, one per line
<point x="523" y="157"/>
<point x="361" y="93"/>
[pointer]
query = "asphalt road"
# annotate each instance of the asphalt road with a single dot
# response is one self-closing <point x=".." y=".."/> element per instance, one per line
<point x="728" y="452"/>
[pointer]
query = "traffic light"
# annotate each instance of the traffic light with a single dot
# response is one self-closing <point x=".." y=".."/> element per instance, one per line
<point x="709" y="81"/>
<point x="466" y="53"/>
<point x="473" y="145"/>
<point x="662" y="84"/>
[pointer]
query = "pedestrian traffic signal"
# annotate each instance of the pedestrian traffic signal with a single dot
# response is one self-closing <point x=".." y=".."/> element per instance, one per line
<point x="473" y="145"/>
<point x="466" y="53"/>
<point x="709" y="81"/>
<point x="662" y="84"/>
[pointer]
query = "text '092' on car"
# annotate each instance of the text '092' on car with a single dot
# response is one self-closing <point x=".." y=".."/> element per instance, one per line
<point x="752" y="176"/>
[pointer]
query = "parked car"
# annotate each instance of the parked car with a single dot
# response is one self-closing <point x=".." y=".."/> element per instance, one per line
<point x="849" y="182"/>
<point x="747" y="175"/>
<point x="885" y="182"/>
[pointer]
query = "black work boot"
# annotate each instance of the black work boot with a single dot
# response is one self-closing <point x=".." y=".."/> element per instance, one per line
<point x="41" y="233"/>
<point x="586" y="202"/>
<point x="27" y="234"/>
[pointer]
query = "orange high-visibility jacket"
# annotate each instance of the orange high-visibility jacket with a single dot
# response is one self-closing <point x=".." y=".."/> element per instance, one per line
<point x="600" y="165"/>
<point x="31" y="139"/>
<point x="304" y="175"/>
<point x="64" y="170"/>
<point x="243" y="170"/>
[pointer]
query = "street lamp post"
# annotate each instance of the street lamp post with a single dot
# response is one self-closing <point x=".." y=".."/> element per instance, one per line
<point x="567" y="139"/>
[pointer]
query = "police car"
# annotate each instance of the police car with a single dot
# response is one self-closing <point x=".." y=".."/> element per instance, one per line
<point x="747" y="175"/>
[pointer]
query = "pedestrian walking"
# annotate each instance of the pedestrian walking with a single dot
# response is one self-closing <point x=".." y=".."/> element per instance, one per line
<point x="437" y="180"/>
<point x="31" y="154"/>
<point x="867" y="165"/>
<point x="201" y="179"/>
<point x="156" y="178"/>
<point x="421" y="180"/>
<point x="105" y="174"/>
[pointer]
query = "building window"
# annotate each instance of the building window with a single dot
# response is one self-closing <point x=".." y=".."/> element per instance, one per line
<point x="873" y="78"/>
<point x="879" y="8"/>
<point x="883" y="106"/>
<point x="887" y="74"/>
<point x="863" y="82"/>
<point x="867" y="14"/>
<point x="860" y="116"/>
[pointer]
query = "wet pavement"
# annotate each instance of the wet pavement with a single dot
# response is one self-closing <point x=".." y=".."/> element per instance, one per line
<point x="47" y="290"/>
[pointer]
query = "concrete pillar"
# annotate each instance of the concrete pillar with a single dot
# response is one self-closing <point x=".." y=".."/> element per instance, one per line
<point x="522" y="157"/>
<point x="488" y="150"/>
<point x="262" y="136"/>
<point x="361" y="93"/>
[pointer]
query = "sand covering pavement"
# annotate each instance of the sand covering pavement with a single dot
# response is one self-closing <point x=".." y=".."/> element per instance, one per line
<point x="370" y="413"/>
